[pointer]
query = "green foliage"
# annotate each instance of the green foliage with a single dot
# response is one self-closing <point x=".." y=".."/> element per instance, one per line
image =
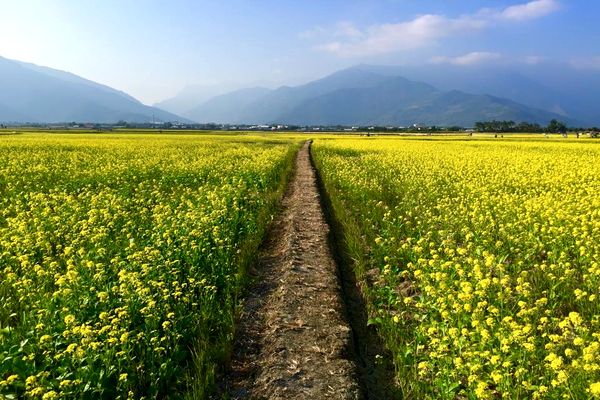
<point x="556" y="126"/>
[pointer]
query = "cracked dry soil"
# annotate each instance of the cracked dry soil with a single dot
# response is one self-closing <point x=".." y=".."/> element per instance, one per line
<point x="293" y="340"/>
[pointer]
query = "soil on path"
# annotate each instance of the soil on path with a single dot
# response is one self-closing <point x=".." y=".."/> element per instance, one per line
<point x="293" y="340"/>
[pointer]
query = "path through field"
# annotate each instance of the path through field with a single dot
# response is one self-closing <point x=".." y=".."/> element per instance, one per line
<point x="293" y="340"/>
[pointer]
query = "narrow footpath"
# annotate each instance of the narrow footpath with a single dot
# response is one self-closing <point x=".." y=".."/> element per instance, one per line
<point x="293" y="340"/>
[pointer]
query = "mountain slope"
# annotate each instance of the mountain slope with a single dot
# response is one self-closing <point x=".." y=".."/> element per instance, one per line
<point x="30" y="93"/>
<point x="220" y="109"/>
<point x="191" y="96"/>
<point x="8" y="114"/>
<point x="364" y="96"/>
<point x="548" y="86"/>
<point x="398" y="101"/>
<point x="269" y="105"/>
<point x="69" y="77"/>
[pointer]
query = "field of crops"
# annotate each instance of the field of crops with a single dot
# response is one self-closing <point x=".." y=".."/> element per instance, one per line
<point x="121" y="257"/>
<point x="482" y="260"/>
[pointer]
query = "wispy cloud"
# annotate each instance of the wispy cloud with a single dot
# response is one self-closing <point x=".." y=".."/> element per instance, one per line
<point x="385" y="38"/>
<point x="473" y="58"/>
<point x="534" y="60"/>
<point x="485" y="57"/>
<point x="586" y="63"/>
<point x="531" y="10"/>
<point x="347" y="40"/>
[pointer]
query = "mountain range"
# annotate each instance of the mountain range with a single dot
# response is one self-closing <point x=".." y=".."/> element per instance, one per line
<point x="364" y="96"/>
<point x="35" y="94"/>
<point x="550" y="86"/>
<point x="431" y="94"/>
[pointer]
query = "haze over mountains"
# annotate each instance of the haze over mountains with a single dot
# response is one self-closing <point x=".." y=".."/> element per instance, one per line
<point x="191" y="96"/>
<point x="430" y="94"/>
<point x="34" y="94"/>
<point x="532" y="93"/>
<point x="364" y="95"/>
<point x="550" y="86"/>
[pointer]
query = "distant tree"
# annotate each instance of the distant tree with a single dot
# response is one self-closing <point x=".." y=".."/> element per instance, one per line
<point x="495" y="126"/>
<point x="527" y="127"/>
<point x="480" y="126"/>
<point x="555" y="126"/>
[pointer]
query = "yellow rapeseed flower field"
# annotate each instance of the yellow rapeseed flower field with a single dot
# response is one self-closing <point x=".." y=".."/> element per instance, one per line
<point x="481" y="260"/>
<point x="121" y="258"/>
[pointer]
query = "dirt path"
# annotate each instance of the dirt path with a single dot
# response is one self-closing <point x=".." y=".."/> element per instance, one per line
<point x="293" y="341"/>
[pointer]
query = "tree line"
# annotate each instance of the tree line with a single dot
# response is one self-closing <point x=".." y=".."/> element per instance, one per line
<point x="554" y="126"/>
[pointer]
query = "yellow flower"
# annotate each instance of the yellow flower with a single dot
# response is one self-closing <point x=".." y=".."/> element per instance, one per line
<point x="71" y="348"/>
<point x="30" y="380"/>
<point x="70" y="319"/>
<point x="481" y="390"/>
<point x="51" y="395"/>
<point x="575" y="318"/>
<point x="594" y="389"/>
<point x="496" y="377"/>
<point x="45" y="339"/>
<point x="64" y="383"/>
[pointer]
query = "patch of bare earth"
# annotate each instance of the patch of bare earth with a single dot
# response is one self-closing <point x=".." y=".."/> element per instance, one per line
<point x="293" y="341"/>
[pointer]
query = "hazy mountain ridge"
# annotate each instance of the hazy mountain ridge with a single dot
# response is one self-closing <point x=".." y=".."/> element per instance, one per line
<point x="191" y="96"/>
<point x="360" y="95"/>
<point x="399" y="101"/>
<point x="553" y="87"/>
<point x="70" y="77"/>
<point x="365" y="95"/>
<point x="220" y="108"/>
<point x="30" y="93"/>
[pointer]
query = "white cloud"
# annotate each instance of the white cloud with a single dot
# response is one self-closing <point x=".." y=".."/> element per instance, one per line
<point x="346" y="40"/>
<point x="473" y="58"/>
<point x="531" y="10"/>
<point x="483" y="57"/>
<point x="385" y="38"/>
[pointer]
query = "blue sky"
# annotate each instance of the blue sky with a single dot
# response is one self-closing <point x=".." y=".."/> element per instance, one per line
<point x="153" y="48"/>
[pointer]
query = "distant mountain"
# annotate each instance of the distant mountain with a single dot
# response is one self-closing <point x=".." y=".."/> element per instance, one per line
<point x="31" y="93"/>
<point x="8" y="114"/>
<point x="364" y="96"/>
<point x="191" y="96"/>
<point x="554" y="87"/>
<point x="220" y="108"/>
<point x="398" y="101"/>
<point x="264" y="105"/>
